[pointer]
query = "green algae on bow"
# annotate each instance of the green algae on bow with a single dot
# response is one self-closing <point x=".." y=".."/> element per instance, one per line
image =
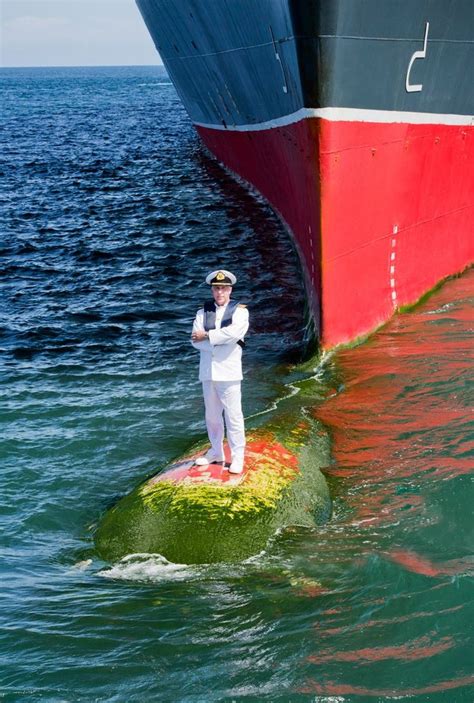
<point x="203" y="521"/>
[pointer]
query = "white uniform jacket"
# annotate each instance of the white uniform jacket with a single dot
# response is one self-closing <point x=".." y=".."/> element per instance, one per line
<point x="221" y="356"/>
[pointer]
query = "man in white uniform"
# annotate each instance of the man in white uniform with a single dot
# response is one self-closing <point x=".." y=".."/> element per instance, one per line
<point x="218" y="332"/>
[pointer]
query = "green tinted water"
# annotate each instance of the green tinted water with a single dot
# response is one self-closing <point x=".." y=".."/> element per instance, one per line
<point x="374" y="605"/>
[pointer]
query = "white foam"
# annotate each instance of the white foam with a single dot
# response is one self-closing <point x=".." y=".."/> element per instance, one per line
<point x="148" y="567"/>
<point x="81" y="565"/>
<point x="155" y="568"/>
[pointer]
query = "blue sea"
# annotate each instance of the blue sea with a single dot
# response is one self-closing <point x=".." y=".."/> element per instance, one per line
<point x="112" y="215"/>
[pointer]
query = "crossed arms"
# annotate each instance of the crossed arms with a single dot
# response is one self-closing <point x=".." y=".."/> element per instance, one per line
<point x="204" y="341"/>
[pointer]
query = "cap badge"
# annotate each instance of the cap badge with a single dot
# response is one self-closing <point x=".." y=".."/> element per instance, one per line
<point x="220" y="276"/>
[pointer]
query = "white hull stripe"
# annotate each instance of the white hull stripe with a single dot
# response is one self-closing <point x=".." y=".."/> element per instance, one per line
<point x="348" y="114"/>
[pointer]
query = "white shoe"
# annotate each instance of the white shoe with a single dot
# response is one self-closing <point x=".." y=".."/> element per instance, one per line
<point x="209" y="458"/>
<point x="236" y="467"/>
<point x="201" y="461"/>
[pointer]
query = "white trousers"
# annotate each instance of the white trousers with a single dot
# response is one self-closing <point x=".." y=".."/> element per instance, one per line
<point x="224" y="398"/>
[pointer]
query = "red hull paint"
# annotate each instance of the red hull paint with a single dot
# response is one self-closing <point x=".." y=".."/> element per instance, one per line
<point x="257" y="451"/>
<point x="379" y="212"/>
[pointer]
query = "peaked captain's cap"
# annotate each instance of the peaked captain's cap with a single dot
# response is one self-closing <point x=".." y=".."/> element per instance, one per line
<point x="221" y="277"/>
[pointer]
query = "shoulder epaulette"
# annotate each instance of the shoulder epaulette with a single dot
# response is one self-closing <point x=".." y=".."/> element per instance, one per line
<point x="241" y="305"/>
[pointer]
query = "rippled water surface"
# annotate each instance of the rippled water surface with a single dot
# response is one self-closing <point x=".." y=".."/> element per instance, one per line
<point x="113" y="215"/>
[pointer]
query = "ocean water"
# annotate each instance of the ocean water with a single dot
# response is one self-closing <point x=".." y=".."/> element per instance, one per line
<point x="112" y="216"/>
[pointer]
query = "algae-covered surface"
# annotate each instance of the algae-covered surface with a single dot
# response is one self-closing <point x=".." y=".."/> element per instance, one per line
<point x="199" y="519"/>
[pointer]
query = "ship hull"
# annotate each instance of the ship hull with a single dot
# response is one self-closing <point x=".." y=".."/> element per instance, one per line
<point x="354" y="120"/>
<point x="379" y="212"/>
<point x="200" y="515"/>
